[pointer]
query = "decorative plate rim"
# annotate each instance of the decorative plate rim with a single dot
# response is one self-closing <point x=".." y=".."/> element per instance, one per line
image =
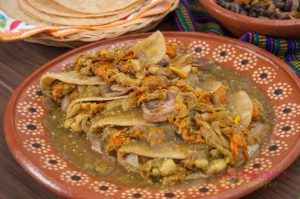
<point x="34" y="171"/>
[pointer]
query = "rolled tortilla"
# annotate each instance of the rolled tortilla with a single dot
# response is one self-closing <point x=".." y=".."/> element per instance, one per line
<point x="129" y="153"/>
<point x="76" y="118"/>
<point x="128" y="118"/>
<point x="92" y="99"/>
<point x="71" y="77"/>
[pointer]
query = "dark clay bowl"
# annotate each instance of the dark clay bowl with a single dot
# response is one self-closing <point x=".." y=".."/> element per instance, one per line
<point x="239" y="24"/>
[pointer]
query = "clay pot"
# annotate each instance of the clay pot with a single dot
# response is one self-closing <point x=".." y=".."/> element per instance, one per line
<point x="239" y="24"/>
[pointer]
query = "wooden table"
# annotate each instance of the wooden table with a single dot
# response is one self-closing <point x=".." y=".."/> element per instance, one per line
<point x="17" y="61"/>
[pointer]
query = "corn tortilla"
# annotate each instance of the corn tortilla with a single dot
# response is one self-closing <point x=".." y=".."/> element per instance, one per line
<point x="58" y="20"/>
<point x="53" y="8"/>
<point x="95" y="6"/>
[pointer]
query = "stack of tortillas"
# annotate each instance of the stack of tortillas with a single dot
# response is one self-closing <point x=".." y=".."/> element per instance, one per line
<point x="71" y="22"/>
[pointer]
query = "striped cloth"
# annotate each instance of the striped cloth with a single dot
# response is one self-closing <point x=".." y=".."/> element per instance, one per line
<point x="190" y="16"/>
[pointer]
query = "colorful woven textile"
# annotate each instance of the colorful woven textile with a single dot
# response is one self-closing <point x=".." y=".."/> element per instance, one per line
<point x="286" y="49"/>
<point x="190" y="16"/>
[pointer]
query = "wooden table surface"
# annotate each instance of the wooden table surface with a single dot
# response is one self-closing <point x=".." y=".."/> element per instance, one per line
<point x="17" y="61"/>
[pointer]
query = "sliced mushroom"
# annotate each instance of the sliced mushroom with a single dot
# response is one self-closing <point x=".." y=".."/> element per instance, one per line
<point x="159" y="110"/>
<point x="133" y="160"/>
<point x="95" y="145"/>
<point x="291" y="5"/>
<point x="65" y="102"/>
<point x="114" y="90"/>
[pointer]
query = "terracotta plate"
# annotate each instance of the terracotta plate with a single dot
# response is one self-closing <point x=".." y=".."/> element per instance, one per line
<point x="29" y="140"/>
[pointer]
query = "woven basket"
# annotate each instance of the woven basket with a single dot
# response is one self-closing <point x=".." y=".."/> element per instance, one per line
<point x="74" y="40"/>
